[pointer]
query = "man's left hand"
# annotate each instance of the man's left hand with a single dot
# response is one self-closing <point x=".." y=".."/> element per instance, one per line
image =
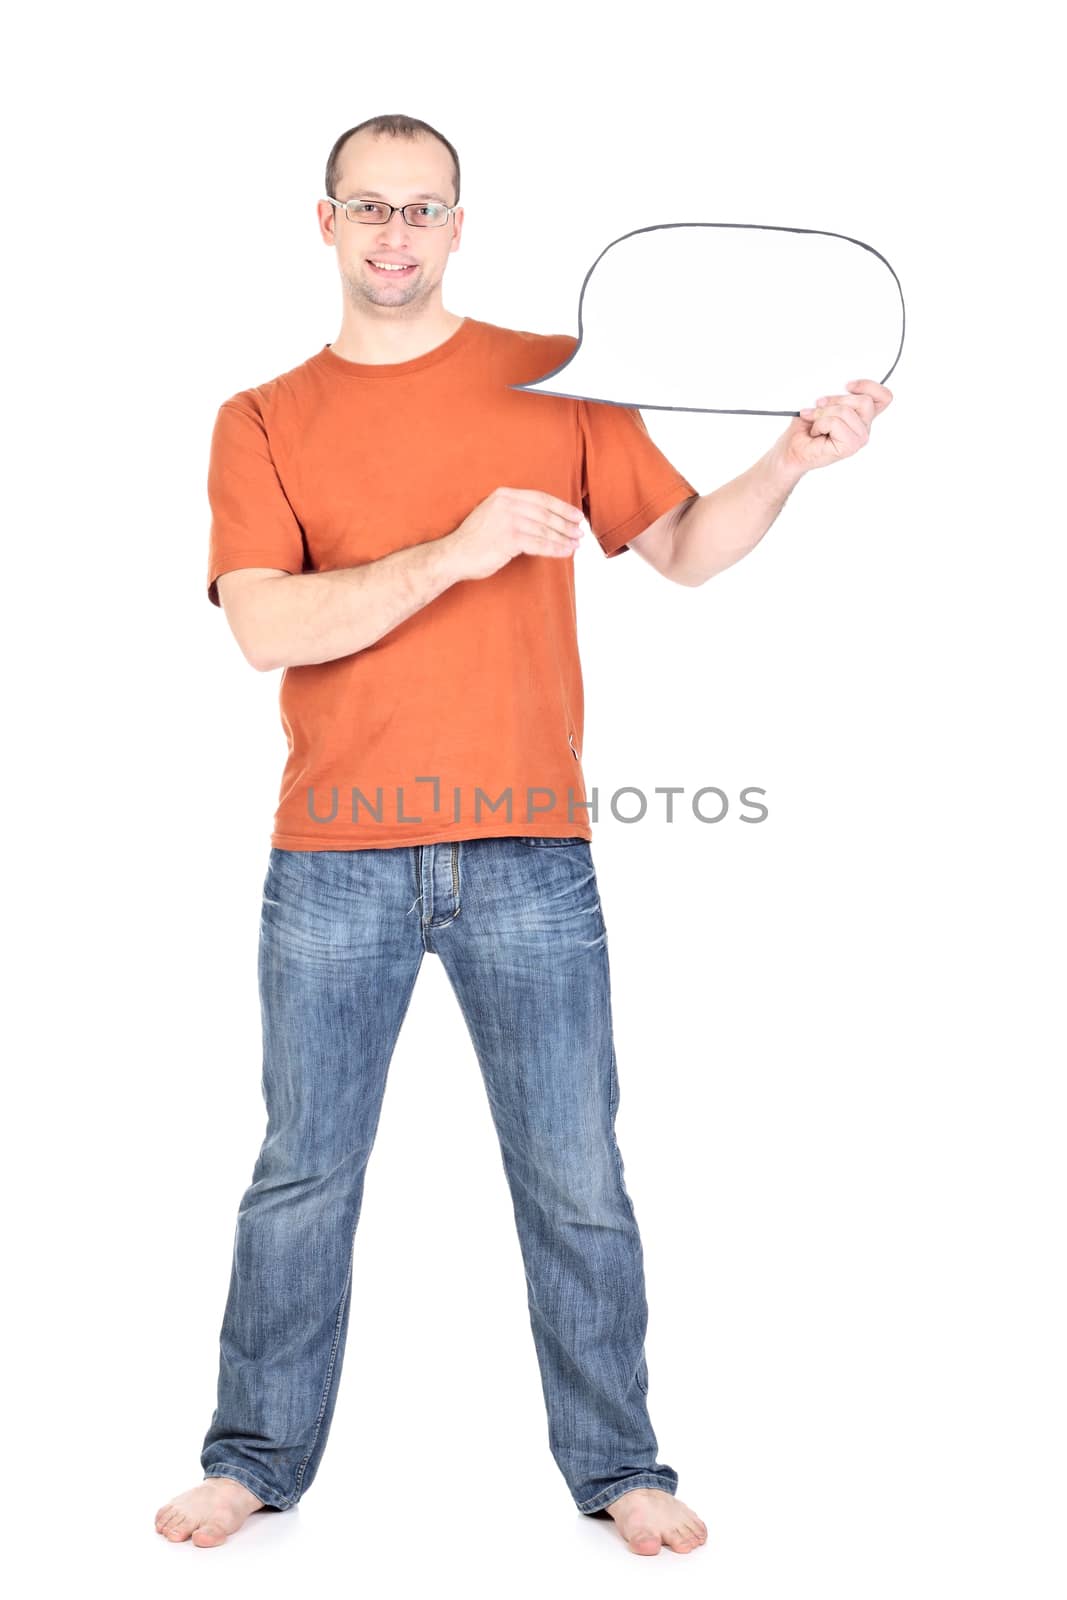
<point x="835" y="427"/>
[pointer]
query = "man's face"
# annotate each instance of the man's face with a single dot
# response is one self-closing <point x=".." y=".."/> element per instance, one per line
<point x="399" y="171"/>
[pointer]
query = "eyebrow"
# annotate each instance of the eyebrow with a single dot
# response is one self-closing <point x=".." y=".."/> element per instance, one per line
<point x="372" y="194"/>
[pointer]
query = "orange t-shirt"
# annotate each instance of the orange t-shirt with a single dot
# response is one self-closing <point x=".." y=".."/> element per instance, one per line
<point x="465" y="720"/>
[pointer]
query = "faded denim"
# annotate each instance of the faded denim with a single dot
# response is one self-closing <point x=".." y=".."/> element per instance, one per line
<point x="518" y="924"/>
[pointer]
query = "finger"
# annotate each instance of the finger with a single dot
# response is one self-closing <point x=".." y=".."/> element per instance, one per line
<point x="851" y="420"/>
<point x="552" y="503"/>
<point x="566" y="537"/>
<point x="877" y="391"/>
<point x="561" y="527"/>
<point x="549" y="521"/>
<point x="536" y="542"/>
<point x="820" y="418"/>
<point x="862" y="403"/>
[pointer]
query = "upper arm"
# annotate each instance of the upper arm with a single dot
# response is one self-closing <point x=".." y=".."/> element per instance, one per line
<point x="237" y="596"/>
<point x="253" y="524"/>
<point x="656" y="543"/>
<point x="629" y="487"/>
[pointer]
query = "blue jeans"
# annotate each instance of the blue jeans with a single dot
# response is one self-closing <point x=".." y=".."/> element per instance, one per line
<point x="518" y="923"/>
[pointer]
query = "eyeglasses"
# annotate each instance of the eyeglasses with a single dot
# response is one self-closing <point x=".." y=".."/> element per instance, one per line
<point x="377" y="213"/>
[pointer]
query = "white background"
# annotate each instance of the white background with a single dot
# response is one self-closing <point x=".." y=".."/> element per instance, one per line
<point x="838" y="1033"/>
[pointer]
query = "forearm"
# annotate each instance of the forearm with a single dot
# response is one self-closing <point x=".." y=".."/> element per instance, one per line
<point x="716" y="530"/>
<point x="308" y="617"/>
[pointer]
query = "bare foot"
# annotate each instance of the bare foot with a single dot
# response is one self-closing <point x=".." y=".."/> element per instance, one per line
<point x="207" y="1514"/>
<point x="651" y="1518"/>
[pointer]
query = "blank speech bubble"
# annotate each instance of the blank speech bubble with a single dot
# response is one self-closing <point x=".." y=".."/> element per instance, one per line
<point x="737" y="317"/>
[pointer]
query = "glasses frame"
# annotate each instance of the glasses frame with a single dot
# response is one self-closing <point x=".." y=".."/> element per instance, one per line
<point x="373" y="223"/>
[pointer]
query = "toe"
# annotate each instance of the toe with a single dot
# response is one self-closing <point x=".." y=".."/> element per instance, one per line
<point x="209" y="1533"/>
<point x="646" y="1542"/>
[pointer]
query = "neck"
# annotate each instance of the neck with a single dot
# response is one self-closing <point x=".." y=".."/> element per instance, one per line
<point x="381" y="334"/>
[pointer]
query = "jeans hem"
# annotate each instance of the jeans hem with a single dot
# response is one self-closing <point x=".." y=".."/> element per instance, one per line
<point x="249" y="1481"/>
<point x="637" y="1480"/>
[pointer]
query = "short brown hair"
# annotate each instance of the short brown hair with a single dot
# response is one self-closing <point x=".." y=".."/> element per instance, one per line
<point x="398" y="127"/>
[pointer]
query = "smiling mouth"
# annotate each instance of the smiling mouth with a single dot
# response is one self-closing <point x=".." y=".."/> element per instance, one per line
<point x="392" y="269"/>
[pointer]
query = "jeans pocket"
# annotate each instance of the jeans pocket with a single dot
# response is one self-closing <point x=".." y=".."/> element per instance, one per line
<point x="542" y="839"/>
<point x="268" y="881"/>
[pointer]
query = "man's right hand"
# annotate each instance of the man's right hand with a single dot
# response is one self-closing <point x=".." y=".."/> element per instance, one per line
<point x="513" y="522"/>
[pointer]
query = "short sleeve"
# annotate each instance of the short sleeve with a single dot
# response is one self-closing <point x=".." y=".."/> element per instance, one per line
<point x="627" y="481"/>
<point x="252" y="522"/>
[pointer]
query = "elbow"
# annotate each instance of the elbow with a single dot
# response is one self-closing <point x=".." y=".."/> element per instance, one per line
<point x="252" y="621"/>
<point x="693" y="577"/>
<point x="253" y="649"/>
<point x="678" y="569"/>
<point x="262" y="661"/>
<point x="687" y="579"/>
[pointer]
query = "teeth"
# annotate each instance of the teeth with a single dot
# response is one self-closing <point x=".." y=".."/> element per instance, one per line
<point x="391" y="266"/>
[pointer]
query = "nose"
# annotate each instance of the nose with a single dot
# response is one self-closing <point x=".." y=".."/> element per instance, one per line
<point x="394" y="246"/>
<point x="397" y="234"/>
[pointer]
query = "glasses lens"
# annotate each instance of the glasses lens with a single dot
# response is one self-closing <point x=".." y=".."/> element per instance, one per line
<point x="426" y="215"/>
<point x="367" y="211"/>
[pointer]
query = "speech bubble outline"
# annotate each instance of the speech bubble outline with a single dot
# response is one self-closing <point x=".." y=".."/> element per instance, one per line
<point x="533" y="387"/>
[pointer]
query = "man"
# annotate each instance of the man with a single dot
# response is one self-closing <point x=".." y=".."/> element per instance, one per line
<point x="394" y="525"/>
